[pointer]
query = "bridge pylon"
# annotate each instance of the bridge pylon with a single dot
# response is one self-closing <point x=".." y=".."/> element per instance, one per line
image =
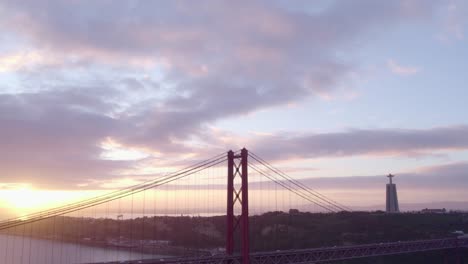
<point x="238" y="195"/>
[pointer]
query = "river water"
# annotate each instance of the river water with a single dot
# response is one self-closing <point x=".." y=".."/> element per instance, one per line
<point x="25" y="250"/>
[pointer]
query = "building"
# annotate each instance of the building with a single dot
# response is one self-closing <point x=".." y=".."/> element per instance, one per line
<point x="434" y="211"/>
<point x="392" y="198"/>
<point x="294" y="211"/>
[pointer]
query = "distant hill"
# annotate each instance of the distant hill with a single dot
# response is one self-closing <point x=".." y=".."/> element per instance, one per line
<point x="405" y="207"/>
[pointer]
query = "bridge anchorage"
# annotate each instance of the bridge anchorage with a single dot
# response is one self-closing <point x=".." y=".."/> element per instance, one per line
<point x="97" y="230"/>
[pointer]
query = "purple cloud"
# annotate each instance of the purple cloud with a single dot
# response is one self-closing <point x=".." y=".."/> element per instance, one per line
<point x="218" y="59"/>
<point x="363" y="142"/>
<point x="47" y="139"/>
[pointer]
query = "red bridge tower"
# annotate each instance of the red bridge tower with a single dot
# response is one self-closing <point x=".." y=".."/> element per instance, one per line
<point x="238" y="195"/>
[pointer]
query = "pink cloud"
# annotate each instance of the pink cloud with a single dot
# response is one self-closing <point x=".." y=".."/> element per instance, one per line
<point x="221" y="59"/>
<point x="385" y="142"/>
<point x="400" y="69"/>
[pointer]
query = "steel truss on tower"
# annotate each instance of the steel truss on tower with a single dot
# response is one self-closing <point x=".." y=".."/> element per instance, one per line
<point x="238" y="195"/>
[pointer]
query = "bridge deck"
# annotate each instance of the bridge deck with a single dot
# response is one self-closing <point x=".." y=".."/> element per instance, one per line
<point x="326" y="254"/>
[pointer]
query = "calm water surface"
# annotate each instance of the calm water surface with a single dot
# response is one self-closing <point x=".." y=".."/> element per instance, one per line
<point x="19" y="250"/>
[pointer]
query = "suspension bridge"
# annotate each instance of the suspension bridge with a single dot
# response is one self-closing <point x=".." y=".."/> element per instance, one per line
<point x="187" y="217"/>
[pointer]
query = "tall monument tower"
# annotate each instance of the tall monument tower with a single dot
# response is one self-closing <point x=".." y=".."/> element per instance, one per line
<point x="392" y="198"/>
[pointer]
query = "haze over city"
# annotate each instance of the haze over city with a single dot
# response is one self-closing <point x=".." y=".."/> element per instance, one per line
<point x="99" y="95"/>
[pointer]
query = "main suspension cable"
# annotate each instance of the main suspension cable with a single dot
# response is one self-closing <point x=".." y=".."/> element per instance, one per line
<point x="300" y="185"/>
<point x="114" y="195"/>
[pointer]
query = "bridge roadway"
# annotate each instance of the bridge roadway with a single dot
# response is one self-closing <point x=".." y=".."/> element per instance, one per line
<point x="326" y="254"/>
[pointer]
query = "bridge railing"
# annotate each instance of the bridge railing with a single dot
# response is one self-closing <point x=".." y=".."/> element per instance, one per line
<point x="327" y="254"/>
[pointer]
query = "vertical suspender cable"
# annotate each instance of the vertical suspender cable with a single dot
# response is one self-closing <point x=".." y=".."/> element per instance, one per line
<point x="22" y="244"/>
<point x="154" y="221"/>
<point x="53" y="239"/>
<point x="61" y="238"/>
<point x="143" y="239"/>
<point x="30" y="241"/>
<point x="131" y="229"/>
<point x="6" y="247"/>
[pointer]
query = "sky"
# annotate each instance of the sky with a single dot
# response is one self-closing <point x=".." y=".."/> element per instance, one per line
<point x="97" y="95"/>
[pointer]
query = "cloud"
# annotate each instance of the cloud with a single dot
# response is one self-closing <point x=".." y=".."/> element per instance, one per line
<point x="426" y="187"/>
<point x="69" y="139"/>
<point x="49" y="141"/>
<point x="454" y="21"/>
<point x="269" y="46"/>
<point x="205" y="63"/>
<point x="14" y="62"/>
<point x="402" y="70"/>
<point x="451" y="176"/>
<point x="362" y="142"/>
<point x="459" y="169"/>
